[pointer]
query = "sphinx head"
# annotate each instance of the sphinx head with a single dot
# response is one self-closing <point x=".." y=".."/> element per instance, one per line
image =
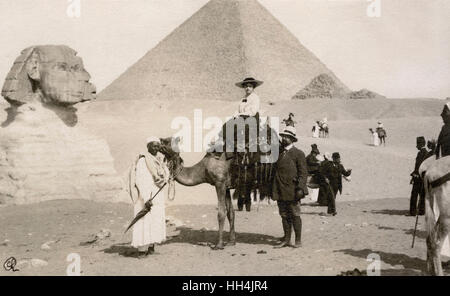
<point x="52" y="73"/>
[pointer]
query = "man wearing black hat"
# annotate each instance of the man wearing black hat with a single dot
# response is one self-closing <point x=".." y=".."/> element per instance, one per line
<point x="333" y="176"/>
<point x="289" y="186"/>
<point x="443" y="143"/>
<point x="416" y="181"/>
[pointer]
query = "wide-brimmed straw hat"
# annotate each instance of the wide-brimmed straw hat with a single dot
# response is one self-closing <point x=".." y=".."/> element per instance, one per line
<point x="290" y="131"/>
<point x="251" y="80"/>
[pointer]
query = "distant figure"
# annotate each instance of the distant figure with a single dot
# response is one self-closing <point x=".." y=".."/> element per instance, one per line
<point x="313" y="164"/>
<point x="333" y="173"/>
<point x="416" y="180"/>
<point x="324" y="130"/>
<point x="375" y="138"/>
<point x="382" y="135"/>
<point x="431" y="145"/>
<point x="324" y="189"/>
<point x="290" y="120"/>
<point x="316" y="130"/>
<point x="443" y="142"/>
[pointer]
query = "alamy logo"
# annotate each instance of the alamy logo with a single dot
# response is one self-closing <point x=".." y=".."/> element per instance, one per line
<point x="74" y="267"/>
<point x="74" y="8"/>
<point x="374" y="267"/>
<point x="239" y="131"/>
<point x="374" y="8"/>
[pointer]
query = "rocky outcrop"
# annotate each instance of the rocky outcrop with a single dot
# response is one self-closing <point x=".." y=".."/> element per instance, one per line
<point x="43" y="158"/>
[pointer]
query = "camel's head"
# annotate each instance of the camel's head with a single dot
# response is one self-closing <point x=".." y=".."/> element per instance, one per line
<point x="170" y="148"/>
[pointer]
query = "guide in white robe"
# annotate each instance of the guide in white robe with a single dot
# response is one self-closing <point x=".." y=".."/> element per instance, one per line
<point x="316" y="130"/>
<point x="375" y="139"/>
<point x="152" y="227"/>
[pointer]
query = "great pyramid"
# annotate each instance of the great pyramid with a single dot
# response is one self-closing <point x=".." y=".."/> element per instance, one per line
<point x="223" y="42"/>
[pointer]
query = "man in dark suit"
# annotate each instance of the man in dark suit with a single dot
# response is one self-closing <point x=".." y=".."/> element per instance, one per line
<point x="416" y="181"/>
<point x="443" y="143"/>
<point x="289" y="186"/>
<point x="333" y="172"/>
<point x="324" y="187"/>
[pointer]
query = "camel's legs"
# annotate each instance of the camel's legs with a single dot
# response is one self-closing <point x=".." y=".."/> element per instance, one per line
<point x="435" y="240"/>
<point x="230" y="215"/>
<point x="221" y="193"/>
<point x="442" y="232"/>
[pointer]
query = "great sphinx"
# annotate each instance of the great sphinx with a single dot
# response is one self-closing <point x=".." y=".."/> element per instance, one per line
<point x="51" y="74"/>
<point x="44" y="154"/>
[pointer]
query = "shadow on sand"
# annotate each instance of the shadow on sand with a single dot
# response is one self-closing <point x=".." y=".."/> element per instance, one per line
<point x="411" y="265"/>
<point x="419" y="233"/>
<point x="391" y="212"/>
<point x="196" y="237"/>
<point x="123" y="249"/>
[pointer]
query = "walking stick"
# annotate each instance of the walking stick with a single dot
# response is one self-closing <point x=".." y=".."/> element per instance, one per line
<point x="415" y="229"/>
<point x="417" y="219"/>
<point x="145" y="210"/>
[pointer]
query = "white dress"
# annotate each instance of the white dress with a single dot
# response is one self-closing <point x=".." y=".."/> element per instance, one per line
<point x="313" y="194"/>
<point x="376" y="140"/>
<point x="316" y="131"/>
<point x="251" y="106"/>
<point x="152" y="227"/>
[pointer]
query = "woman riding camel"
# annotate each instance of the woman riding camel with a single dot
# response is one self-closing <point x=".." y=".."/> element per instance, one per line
<point x="249" y="105"/>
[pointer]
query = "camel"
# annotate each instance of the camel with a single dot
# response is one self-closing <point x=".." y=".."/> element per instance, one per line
<point x="215" y="170"/>
<point x="323" y="130"/>
<point x="436" y="177"/>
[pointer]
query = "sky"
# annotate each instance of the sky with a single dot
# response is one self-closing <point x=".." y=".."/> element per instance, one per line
<point x="405" y="52"/>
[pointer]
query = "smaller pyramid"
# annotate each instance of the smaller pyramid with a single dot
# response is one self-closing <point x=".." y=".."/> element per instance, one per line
<point x="365" y="94"/>
<point x="322" y="86"/>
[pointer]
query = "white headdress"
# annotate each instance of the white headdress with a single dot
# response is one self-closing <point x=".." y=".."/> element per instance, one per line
<point x="153" y="139"/>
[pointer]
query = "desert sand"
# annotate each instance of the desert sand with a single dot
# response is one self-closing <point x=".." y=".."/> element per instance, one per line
<point x="371" y="212"/>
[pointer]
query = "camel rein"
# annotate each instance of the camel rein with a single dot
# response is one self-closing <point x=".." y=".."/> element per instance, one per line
<point x="171" y="187"/>
<point x="171" y="191"/>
